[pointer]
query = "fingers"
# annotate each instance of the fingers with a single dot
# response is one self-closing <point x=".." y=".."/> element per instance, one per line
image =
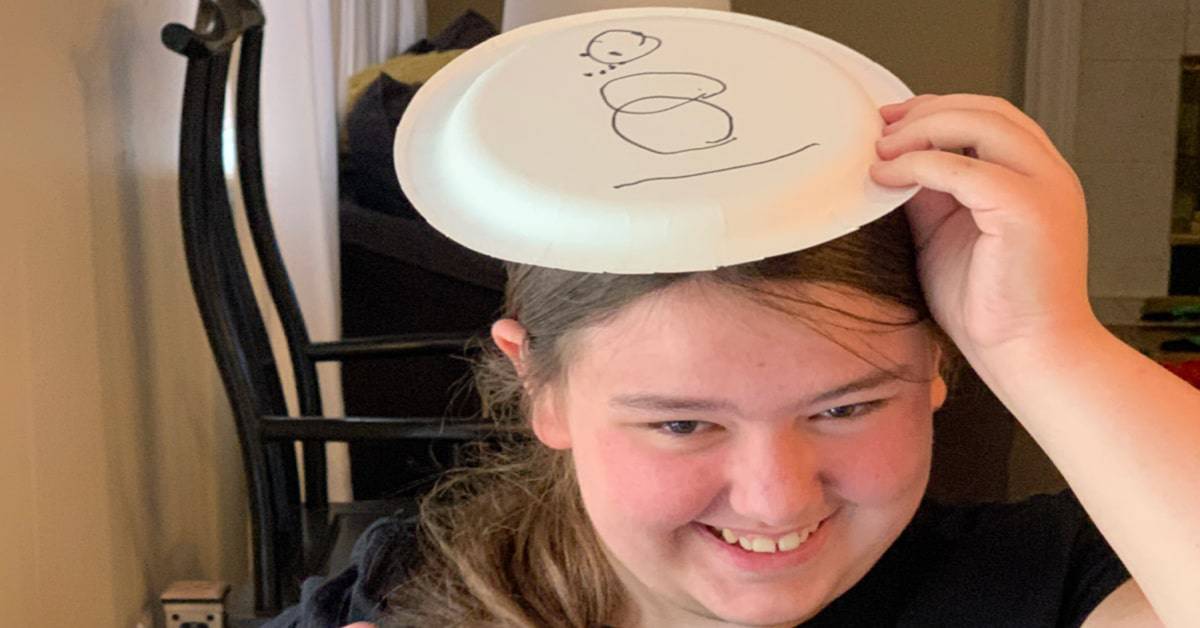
<point x="986" y="134"/>
<point x="895" y="111"/>
<point x="980" y="185"/>
<point x="1010" y="178"/>
<point x="901" y="114"/>
<point x="927" y="211"/>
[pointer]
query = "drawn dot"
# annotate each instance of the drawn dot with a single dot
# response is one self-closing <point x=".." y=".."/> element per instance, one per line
<point x="587" y="73"/>
<point x="583" y="54"/>
<point x="603" y="71"/>
<point x="612" y="67"/>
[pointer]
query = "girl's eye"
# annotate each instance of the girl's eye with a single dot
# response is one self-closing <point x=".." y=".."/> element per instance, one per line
<point x="850" y="411"/>
<point x="677" y="428"/>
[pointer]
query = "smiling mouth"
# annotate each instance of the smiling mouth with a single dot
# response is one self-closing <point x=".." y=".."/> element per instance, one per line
<point x="763" y="544"/>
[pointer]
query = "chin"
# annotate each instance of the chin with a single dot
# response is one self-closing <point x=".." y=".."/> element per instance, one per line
<point x="768" y="618"/>
<point x="765" y="610"/>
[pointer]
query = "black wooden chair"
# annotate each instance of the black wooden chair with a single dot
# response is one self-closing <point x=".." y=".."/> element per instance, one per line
<point x="291" y="538"/>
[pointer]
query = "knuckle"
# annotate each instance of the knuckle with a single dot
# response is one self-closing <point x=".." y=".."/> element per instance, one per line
<point x="987" y="102"/>
<point x="996" y="117"/>
<point x="1000" y="103"/>
<point x="958" y="167"/>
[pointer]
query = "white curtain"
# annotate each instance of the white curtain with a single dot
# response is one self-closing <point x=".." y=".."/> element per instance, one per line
<point x="366" y="32"/>
<point x="311" y="47"/>
<point x="299" y="145"/>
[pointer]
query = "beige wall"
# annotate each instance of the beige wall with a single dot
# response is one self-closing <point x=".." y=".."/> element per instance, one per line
<point x="1125" y="136"/>
<point x="118" y="467"/>
<point x="935" y="46"/>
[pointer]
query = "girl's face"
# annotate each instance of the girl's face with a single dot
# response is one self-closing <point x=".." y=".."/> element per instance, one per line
<point x="698" y="415"/>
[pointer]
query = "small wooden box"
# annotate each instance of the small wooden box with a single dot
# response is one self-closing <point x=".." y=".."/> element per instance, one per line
<point x="195" y="604"/>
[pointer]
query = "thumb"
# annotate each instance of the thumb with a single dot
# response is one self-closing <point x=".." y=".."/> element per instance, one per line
<point x="926" y="212"/>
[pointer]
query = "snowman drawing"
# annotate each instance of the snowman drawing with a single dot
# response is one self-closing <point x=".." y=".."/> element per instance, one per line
<point x="668" y="112"/>
<point x="616" y="47"/>
<point x="665" y="113"/>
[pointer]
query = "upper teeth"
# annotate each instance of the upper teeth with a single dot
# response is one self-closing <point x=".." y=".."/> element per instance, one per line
<point x="768" y="545"/>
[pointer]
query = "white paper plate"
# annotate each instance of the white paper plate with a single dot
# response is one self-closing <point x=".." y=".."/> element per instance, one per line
<point x="648" y="140"/>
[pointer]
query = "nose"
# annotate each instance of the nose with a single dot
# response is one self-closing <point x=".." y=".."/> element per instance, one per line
<point x="775" y="479"/>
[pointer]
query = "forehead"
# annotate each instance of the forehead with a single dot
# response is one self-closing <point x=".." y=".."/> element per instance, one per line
<point x="703" y="335"/>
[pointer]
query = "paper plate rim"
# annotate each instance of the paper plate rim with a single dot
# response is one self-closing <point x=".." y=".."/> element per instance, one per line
<point x="433" y="103"/>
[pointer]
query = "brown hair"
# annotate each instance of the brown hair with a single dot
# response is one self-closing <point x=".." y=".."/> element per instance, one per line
<point x="506" y="542"/>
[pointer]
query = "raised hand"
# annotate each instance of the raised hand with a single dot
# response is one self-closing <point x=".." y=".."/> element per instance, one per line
<point x="1001" y="227"/>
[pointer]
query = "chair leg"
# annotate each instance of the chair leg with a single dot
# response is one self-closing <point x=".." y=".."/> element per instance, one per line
<point x="316" y="488"/>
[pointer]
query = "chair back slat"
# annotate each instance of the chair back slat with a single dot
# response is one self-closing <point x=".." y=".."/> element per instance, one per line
<point x="258" y="217"/>
<point x="224" y="295"/>
<point x="274" y="271"/>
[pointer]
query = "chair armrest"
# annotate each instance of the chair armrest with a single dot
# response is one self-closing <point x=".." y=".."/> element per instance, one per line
<point x="389" y="346"/>
<point x="346" y="429"/>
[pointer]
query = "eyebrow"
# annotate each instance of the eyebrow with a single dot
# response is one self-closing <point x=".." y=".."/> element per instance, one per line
<point x="667" y="403"/>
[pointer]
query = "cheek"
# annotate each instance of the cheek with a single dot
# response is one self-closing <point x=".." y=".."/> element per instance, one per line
<point x="623" y="479"/>
<point x="887" y="463"/>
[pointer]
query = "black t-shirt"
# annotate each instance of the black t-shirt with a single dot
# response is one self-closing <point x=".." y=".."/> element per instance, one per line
<point x="1038" y="562"/>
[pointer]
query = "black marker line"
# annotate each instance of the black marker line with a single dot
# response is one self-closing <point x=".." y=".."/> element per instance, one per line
<point x="727" y="138"/>
<point x="703" y="95"/>
<point x="707" y="172"/>
<point x="642" y="41"/>
<point x="675" y="102"/>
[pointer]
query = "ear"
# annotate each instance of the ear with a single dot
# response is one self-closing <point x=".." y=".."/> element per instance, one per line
<point x="937" y="389"/>
<point x="548" y="421"/>
<point x="510" y="336"/>
<point x="938" y="393"/>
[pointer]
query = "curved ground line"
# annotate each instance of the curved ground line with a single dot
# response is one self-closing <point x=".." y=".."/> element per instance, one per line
<point x="700" y="174"/>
